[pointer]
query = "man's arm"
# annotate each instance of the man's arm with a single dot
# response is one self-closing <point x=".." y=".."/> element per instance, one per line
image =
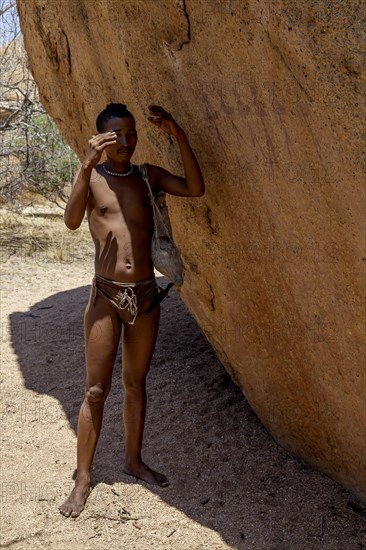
<point x="192" y="185"/>
<point x="78" y="200"/>
<point x="76" y="205"/>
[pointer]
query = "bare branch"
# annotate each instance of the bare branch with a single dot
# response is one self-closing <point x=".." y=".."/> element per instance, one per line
<point x="33" y="155"/>
<point x="9" y="7"/>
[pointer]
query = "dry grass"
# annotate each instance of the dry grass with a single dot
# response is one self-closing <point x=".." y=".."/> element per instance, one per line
<point x="41" y="234"/>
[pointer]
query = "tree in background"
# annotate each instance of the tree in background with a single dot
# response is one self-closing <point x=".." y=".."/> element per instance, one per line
<point x="33" y="156"/>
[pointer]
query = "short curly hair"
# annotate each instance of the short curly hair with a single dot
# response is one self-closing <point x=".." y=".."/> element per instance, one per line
<point x="113" y="110"/>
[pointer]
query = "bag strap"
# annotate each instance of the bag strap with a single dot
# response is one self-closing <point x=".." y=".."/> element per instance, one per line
<point x="156" y="211"/>
<point x="145" y="177"/>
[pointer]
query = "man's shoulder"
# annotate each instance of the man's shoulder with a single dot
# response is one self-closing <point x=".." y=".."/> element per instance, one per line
<point x="98" y="169"/>
<point x="152" y="172"/>
<point x="97" y="173"/>
<point x="97" y="177"/>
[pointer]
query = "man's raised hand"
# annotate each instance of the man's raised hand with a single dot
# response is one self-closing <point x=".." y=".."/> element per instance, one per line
<point x="96" y="146"/>
<point x="163" y="120"/>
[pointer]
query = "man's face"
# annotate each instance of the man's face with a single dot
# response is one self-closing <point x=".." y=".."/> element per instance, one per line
<point x="125" y="129"/>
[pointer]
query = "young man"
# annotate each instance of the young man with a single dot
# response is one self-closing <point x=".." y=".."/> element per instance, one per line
<point x="121" y="224"/>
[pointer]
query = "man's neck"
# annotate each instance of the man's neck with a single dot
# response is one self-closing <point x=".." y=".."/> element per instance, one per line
<point x="115" y="166"/>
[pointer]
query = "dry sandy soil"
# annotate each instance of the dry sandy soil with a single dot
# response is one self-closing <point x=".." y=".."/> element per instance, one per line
<point x="231" y="486"/>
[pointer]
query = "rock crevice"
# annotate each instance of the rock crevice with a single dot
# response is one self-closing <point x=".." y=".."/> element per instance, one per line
<point x="187" y="41"/>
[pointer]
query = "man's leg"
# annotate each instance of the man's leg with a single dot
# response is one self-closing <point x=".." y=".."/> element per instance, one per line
<point x="137" y="349"/>
<point x="102" y="332"/>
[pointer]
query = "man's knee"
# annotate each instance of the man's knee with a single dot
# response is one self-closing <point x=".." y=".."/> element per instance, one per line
<point x="134" y="384"/>
<point x="96" y="394"/>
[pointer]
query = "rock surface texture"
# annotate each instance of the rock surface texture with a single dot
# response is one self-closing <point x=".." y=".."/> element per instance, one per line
<point x="271" y="95"/>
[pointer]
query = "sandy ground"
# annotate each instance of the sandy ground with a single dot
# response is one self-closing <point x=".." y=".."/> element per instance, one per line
<point x="231" y="486"/>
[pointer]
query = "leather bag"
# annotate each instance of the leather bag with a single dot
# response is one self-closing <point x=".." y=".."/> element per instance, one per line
<point x="165" y="254"/>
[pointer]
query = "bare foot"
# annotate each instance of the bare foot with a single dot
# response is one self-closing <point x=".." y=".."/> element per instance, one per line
<point x="145" y="473"/>
<point x="74" y="505"/>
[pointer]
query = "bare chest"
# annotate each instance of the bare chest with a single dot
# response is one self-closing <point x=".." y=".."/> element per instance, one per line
<point x="118" y="197"/>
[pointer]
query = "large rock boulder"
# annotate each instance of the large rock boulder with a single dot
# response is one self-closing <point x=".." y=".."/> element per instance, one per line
<point x="272" y="97"/>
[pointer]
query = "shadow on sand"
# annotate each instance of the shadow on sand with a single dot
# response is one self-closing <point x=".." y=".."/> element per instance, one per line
<point x="226" y="472"/>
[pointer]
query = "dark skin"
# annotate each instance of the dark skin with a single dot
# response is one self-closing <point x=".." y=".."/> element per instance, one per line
<point x="120" y="222"/>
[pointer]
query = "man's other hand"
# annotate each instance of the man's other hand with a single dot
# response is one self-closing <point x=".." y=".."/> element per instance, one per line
<point x="163" y="120"/>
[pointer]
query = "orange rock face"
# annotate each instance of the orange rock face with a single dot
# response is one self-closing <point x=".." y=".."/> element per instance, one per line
<point x="271" y="95"/>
